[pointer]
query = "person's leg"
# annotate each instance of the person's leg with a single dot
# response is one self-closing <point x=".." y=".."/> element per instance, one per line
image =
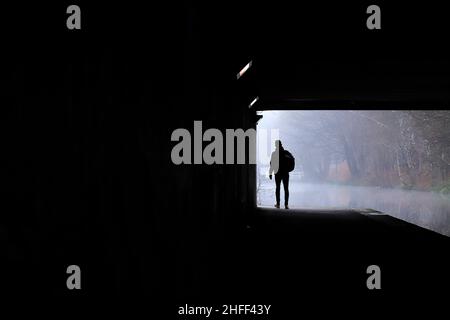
<point x="277" y="189"/>
<point x="286" y="190"/>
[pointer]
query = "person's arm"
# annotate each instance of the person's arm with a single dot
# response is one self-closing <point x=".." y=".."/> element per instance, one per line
<point x="271" y="165"/>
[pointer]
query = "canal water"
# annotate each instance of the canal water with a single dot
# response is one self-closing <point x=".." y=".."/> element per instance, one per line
<point x="426" y="209"/>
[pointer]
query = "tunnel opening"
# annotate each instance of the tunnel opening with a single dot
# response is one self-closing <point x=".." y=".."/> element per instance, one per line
<point x="395" y="162"/>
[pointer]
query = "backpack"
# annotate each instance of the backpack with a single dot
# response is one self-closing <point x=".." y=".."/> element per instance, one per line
<point x="289" y="160"/>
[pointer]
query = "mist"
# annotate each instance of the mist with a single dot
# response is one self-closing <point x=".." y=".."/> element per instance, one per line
<point x="395" y="162"/>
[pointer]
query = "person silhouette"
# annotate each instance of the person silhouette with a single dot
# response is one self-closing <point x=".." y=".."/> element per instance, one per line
<point x="278" y="165"/>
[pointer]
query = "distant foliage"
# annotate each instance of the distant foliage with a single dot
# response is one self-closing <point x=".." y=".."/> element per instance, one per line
<point x="408" y="149"/>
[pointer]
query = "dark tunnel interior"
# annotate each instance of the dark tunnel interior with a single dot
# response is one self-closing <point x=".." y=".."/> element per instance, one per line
<point x="87" y="175"/>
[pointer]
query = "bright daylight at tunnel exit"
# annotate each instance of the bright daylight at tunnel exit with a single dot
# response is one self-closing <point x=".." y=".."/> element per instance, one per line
<point x="384" y="161"/>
